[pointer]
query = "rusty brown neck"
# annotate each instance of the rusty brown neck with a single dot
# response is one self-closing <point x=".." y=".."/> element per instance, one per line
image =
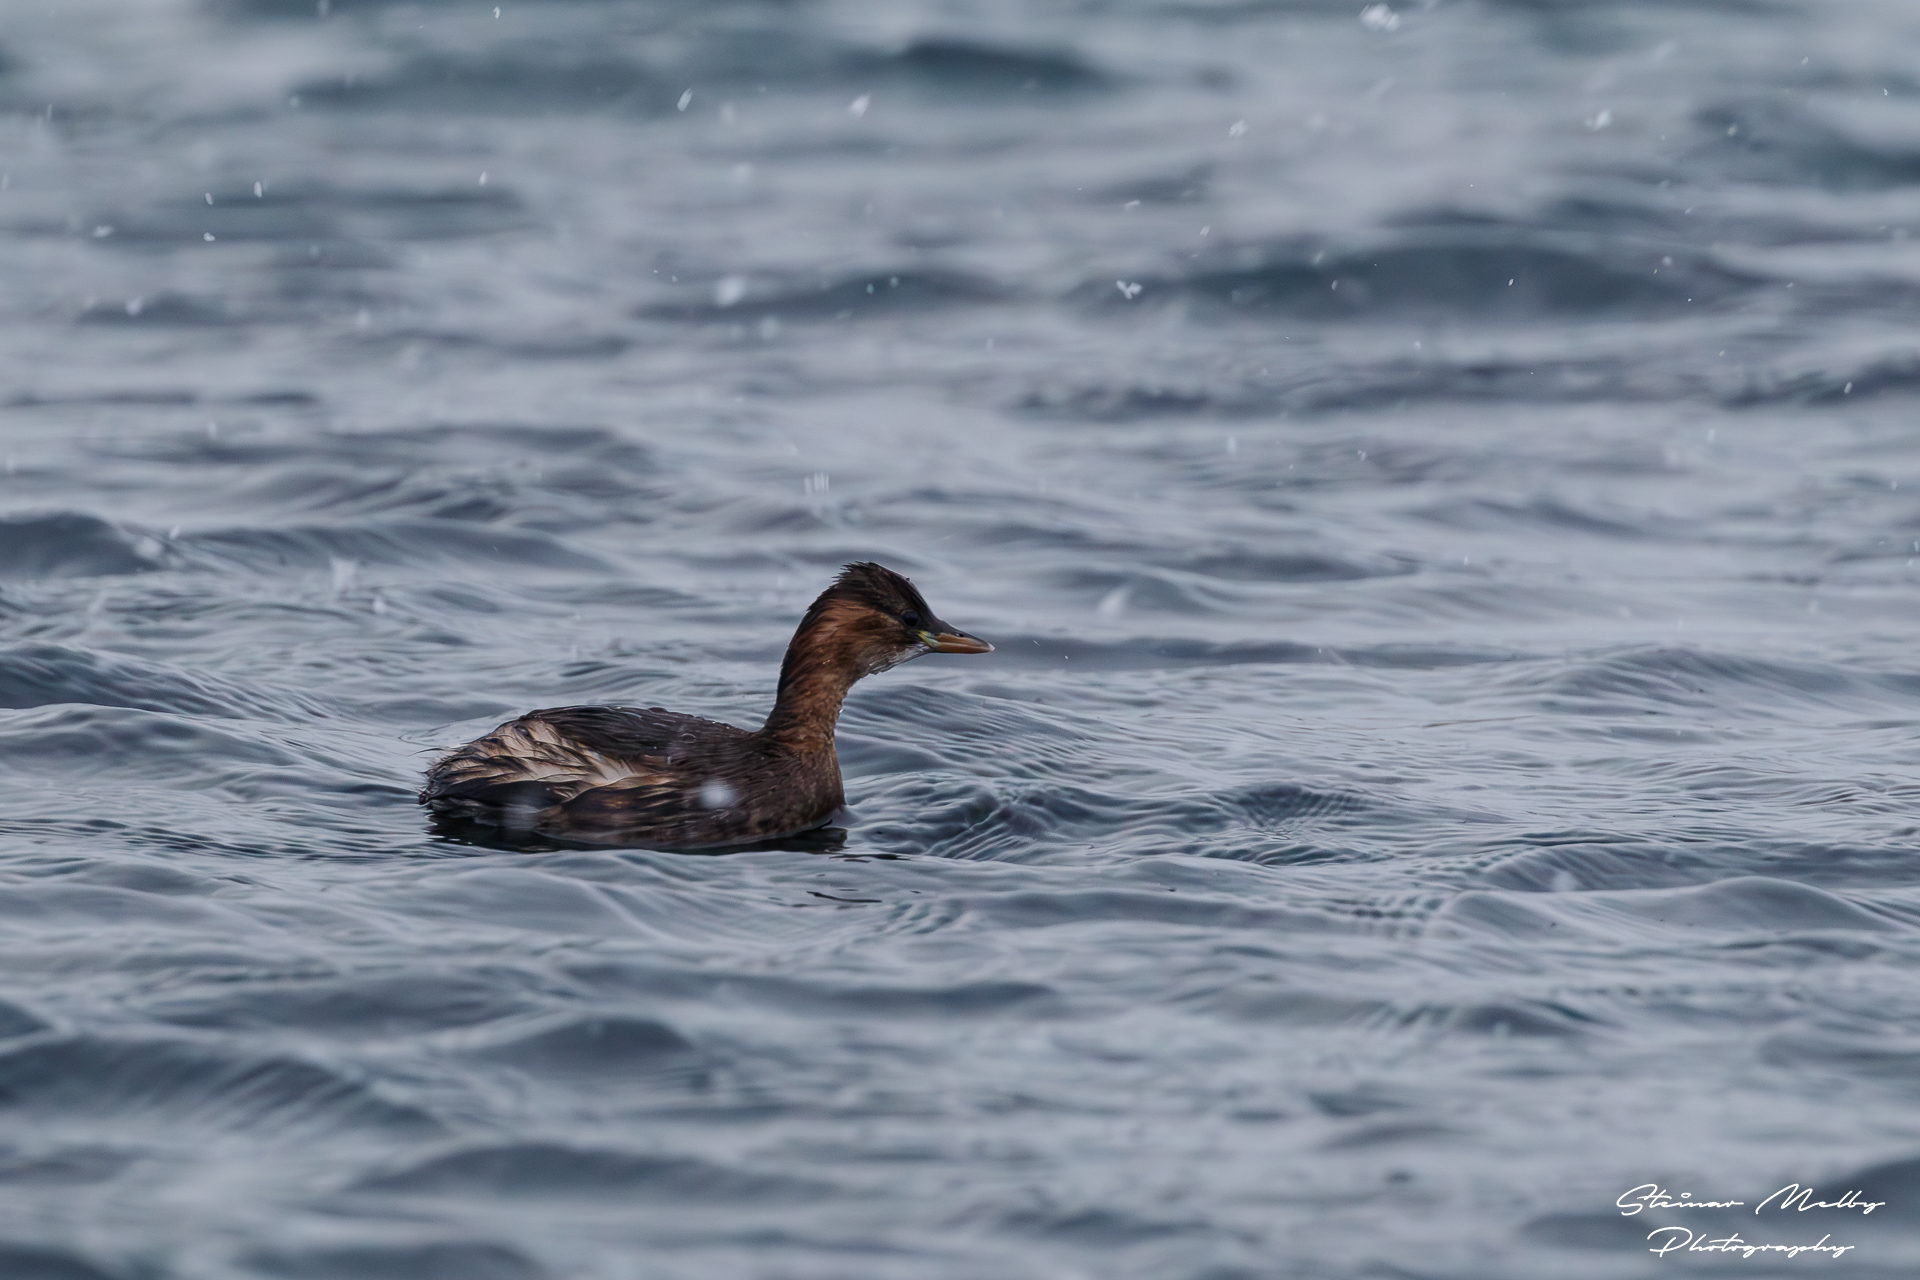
<point x="814" y="681"/>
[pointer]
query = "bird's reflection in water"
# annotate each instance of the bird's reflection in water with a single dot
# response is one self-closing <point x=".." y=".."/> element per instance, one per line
<point x="503" y="839"/>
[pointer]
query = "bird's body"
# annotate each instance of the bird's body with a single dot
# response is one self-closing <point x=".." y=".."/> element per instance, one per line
<point x="668" y="780"/>
<point x="652" y="775"/>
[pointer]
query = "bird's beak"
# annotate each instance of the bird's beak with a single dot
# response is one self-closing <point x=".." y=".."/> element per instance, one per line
<point x="946" y="640"/>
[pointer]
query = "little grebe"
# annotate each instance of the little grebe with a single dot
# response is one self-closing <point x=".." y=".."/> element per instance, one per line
<point x="659" y="778"/>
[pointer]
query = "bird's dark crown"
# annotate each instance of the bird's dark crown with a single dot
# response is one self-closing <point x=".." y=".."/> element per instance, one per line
<point x="882" y="590"/>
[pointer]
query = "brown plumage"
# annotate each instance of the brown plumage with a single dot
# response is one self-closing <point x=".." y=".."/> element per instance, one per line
<point x="662" y="779"/>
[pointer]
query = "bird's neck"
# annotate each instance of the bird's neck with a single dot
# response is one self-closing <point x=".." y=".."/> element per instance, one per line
<point x="813" y="685"/>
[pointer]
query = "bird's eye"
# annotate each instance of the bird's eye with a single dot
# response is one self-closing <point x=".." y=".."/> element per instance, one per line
<point x="910" y="620"/>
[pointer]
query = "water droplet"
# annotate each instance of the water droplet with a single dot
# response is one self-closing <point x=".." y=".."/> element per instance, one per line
<point x="860" y="104"/>
<point x="1237" y="129"/>
<point x="728" y="290"/>
<point x="685" y="100"/>
<point x="1378" y="17"/>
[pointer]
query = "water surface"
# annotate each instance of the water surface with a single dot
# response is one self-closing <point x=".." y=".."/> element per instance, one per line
<point x="1442" y="487"/>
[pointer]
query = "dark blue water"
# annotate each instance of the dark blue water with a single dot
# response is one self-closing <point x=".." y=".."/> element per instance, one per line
<point x="1445" y="488"/>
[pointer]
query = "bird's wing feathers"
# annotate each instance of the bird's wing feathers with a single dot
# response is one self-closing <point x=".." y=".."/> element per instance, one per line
<point x="565" y="752"/>
<point x="624" y="732"/>
<point x="631" y="803"/>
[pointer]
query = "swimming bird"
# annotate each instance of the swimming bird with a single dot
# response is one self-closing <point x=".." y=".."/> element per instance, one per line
<point x="663" y="779"/>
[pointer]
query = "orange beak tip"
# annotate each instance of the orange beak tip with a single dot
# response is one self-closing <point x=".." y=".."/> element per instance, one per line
<point x="949" y="642"/>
